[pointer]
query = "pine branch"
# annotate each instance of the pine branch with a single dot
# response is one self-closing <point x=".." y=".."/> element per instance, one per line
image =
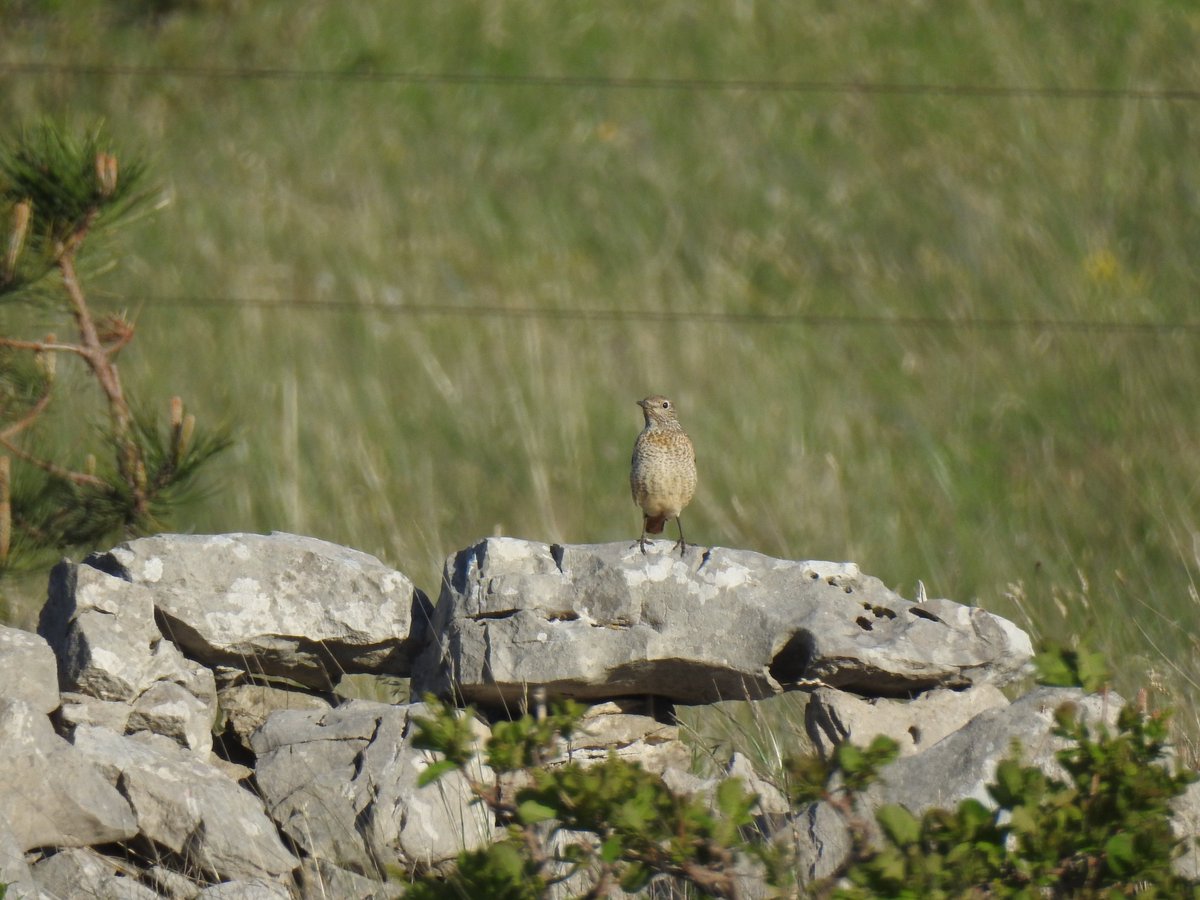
<point x="61" y="190"/>
<point x="130" y="464"/>
<point x="42" y="346"/>
<point x="80" y="478"/>
<point x="5" y="509"/>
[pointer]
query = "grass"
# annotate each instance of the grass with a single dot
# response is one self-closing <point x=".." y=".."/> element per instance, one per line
<point x="1045" y="473"/>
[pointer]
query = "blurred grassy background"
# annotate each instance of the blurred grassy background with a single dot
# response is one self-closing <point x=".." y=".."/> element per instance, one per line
<point x="333" y="275"/>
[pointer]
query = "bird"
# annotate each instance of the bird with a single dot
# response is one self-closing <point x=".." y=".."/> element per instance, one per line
<point x="662" y="473"/>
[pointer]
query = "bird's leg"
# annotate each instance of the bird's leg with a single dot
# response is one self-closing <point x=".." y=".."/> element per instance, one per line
<point x="641" y="542"/>
<point x="680" y="543"/>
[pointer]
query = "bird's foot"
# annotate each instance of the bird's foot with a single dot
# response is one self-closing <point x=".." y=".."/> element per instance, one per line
<point x="682" y="547"/>
<point x="641" y="543"/>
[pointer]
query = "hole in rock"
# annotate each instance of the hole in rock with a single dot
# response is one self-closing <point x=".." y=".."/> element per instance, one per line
<point x="791" y="663"/>
<point x="864" y="623"/>
<point x="923" y="614"/>
<point x="497" y="614"/>
<point x="915" y="733"/>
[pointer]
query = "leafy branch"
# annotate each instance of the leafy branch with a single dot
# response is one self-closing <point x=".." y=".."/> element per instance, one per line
<point x="605" y="825"/>
<point x="1102" y="830"/>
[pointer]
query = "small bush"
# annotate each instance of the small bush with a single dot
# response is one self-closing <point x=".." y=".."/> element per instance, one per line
<point x="1103" y="831"/>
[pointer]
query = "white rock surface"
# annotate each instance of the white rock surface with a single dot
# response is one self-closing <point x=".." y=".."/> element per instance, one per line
<point x="188" y="806"/>
<point x="604" y="621"/>
<point x="278" y="604"/>
<point x="52" y="795"/>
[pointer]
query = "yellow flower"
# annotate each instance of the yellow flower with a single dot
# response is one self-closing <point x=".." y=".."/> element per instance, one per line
<point x="1102" y="267"/>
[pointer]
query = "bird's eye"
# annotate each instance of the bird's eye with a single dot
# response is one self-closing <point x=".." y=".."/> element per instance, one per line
<point x="666" y="404"/>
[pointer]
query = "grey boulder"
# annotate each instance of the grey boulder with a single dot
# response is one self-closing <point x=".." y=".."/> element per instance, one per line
<point x="14" y="869"/>
<point x="28" y="670"/>
<point x="277" y="605"/>
<point x="52" y="795"/>
<point x="958" y="767"/>
<point x="833" y="717"/>
<point x="189" y="807"/>
<point x="85" y="873"/>
<point x="342" y="784"/>
<point x="605" y="621"/>
<point x="103" y="632"/>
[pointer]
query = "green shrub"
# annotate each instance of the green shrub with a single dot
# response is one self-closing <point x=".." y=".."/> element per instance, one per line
<point x="1102" y="831"/>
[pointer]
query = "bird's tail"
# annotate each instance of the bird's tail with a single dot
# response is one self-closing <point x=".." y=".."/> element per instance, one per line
<point x="654" y="524"/>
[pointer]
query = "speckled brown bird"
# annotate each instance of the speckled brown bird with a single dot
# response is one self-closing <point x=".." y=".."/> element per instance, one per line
<point x="662" y="473"/>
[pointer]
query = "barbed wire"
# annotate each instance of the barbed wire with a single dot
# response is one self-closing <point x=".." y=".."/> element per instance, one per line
<point x="602" y="82"/>
<point x="684" y="317"/>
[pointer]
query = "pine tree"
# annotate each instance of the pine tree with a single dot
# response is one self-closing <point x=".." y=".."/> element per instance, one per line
<point x="58" y="191"/>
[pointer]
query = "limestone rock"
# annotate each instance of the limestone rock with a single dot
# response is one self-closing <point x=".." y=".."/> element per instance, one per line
<point x="1185" y="823"/>
<point x="278" y="604"/>
<point x="959" y="766"/>
<point x="835" y="716"/>
<point x="771" y="800"/>
<point x="341" y="783"/>
<point x="819" y="838"/>
<point x="171" y="710"/>
<point x="171" y="884"/>
<point x="962" y="764"/>
<point x="14" y="870"/>
<point x="80" y="709"/>
<point x="245" y="890"/>
<point x="51" y="795"/>
<point x="85" y="873"/>
<point x="606" y="728"/>
<point x="245" y="707"/>
<point x="103" y="632"/>
<point x="321" y="880"/>
<point x="28" y="670"/>
<point x="188" y="806"/>
<point x="605" y="621"/>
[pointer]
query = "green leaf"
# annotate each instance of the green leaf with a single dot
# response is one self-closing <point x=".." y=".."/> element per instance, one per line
<point x="901" y="826"/>
<point x="1093" y="671"/>
<point x="1054" y="668"/>
<point x="530" y="812"/>
<point x="636" y="877"/>
<point x="1023" y="821"/>
<point x="1059" y="666"/>
<point x="611" y="849"/>
<point x="435" y="771"/>
<point x="849" y="758"/>
<point x="1120" y="855"/>
<point x="1008" y="789"/>
<point x="807" y="777"/>
<point x="973" y="814"/>
<point x="890" y="865"/>
<point x="507" y="860"/>
<point x="734" y="801"/>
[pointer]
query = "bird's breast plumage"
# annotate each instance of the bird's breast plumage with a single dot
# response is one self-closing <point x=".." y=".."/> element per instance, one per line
<point x="662" y="472"/>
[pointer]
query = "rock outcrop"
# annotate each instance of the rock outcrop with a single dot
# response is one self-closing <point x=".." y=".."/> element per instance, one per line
<point x="603" y="621"/>
<point x="173" y="731"/>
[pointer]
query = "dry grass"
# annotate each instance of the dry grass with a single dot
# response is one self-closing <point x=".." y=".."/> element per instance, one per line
<point x="976" y="459"/>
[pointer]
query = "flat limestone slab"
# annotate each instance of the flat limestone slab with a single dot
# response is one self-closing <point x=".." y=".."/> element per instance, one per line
<point x="603" y="621"/>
